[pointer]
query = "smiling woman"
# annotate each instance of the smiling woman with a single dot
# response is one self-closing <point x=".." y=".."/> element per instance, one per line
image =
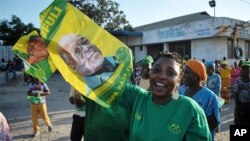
<point x="195" y="75"/>
<point x="158" y="114"/>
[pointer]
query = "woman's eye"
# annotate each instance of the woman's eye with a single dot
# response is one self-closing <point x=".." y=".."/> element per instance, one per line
<point x="156" y="70"/>
<point x="171" y="73"/>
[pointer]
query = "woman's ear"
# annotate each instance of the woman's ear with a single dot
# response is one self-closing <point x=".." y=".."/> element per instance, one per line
<point x="180" y="77"/>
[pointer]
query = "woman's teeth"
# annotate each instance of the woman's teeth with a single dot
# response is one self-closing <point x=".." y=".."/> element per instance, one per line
<point x="161" y="85"/>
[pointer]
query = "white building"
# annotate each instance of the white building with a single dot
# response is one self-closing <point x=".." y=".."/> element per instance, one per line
<point x="198" y="35"/>
<point x="6" y="53"/>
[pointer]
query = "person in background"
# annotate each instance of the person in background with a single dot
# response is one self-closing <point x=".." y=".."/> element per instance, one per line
<point x="213" y="80"/>
<point x="19" y="63"/>
<point x="36" y="95"/>
<point x="10" y="67"/>
<point x="137" y="74"/>
<point x="217" y="66"/>
<point x="78" y="124"/>
<point x="5" y="134"/>
<point x="203" y="61"/>
<point x="224" y="58"/>
<point x="225" y="73"/>
<point x="194" y="76"/>
<point x="158" y="114"/>
<point x="146" y="66"/>
<point x="214" y="84"/>
<point x="240" y="63"/>
<point x="235" y="74"/>
<point x="3" y="64"/>
<point x="241" y="89"/>
<point x="26" y="78"/>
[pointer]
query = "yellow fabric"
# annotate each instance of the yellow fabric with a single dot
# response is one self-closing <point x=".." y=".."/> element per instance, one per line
<point x="40" y="109"/>
<point x="39" y="69"/>
<point x="224" y="63"/>
<point x="225" y="73"/>
<point x="198" y="68"/>
<point x="225" y="89"/>
<point x="56" y="23"/>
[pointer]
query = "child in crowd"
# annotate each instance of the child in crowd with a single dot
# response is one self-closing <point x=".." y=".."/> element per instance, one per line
<point x="36" y="94"/>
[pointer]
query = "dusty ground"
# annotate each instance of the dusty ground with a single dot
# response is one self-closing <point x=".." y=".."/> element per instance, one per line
<point x="16" y="108"/>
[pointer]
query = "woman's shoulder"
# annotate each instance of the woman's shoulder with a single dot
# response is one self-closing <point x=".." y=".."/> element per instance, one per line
<point x="188" y="103"/>
<point x="216" y="75"/>
<point x="131" y="88"/>
<point x="207" y="91"/>
<point x="208" y="94"/>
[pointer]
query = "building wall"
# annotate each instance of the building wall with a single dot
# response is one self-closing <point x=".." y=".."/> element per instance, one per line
<point x="6" y="53"/>
<point x="209" y="48"/>
<point x="185" y="31"/>
<point x="140" y="53"/>
<point x="206" y="39"/>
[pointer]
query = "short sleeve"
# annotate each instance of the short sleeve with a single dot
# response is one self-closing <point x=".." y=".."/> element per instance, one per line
<point x="45" y="87"/>
<point x="130" y="95"/>
<point x="198" y="129"/>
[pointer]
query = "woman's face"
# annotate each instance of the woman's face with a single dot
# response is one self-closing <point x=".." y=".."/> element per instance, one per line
<point x="245" y="72"/>
<point x="189" y="76"/>
<point x="145" y="69"/>
<point x="165" y="77"/>
<point x="210" y="70"/>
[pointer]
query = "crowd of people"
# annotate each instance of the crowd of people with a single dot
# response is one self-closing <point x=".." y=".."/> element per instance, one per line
<point x="11" y="67"/>
<point x="213" y="83"/>
<point x="161" y="92"/>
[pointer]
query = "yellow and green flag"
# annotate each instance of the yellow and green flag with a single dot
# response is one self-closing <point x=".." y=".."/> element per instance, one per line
<point x="89" y="58"/>
<point x="41" y="68"/>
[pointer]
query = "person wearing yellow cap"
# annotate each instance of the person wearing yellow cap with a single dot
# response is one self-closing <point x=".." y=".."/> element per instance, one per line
<point x="194" y="78"/>
<point x="225" y="73"/>
<point x="241" y="89"/>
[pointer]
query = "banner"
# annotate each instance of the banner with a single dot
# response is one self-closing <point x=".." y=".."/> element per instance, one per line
<point x="89" y="58"/>
<point x="37" y="62"/>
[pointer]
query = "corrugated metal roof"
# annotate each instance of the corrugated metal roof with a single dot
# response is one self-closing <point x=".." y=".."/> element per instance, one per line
<point x="175" y="21"/>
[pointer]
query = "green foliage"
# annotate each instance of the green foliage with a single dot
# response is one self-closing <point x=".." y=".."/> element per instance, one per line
<point x="105" y="13"/>
<point x="11" y="31"/>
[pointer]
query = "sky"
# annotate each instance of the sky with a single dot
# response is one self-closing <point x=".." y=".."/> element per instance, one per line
<point x="138" y="12"/>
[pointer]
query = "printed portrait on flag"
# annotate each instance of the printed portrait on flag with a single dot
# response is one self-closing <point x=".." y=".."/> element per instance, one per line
<point x="83" y="57"/>
<point x="32" y="49"/>
<point x="89" y="58"/>
<point x="36" y="49"/>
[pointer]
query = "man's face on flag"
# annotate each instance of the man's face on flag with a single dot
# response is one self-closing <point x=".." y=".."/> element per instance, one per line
<point x="37" y="50"/>
<point x="80" y="55"/>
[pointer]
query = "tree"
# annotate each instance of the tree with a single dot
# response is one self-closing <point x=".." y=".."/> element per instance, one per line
<point x="11" y="31"/>
<point x="105" y="13"/>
